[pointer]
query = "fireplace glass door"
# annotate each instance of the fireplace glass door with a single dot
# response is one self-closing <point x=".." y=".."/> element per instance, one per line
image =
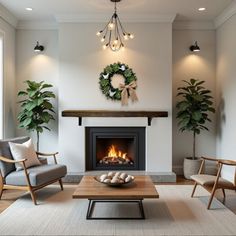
<point x="115" y="148"/>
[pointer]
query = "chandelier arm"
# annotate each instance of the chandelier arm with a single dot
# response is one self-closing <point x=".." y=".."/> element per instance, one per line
<point x="105" y="35"/>
<point x="117" y="29"/>
<point x="119" y="36"/>
<point x="107" y="23"/>
<point x="121" y="26"/>
<point x="109" y="40"/>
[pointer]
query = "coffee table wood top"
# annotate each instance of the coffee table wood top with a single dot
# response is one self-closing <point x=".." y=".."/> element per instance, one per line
<point x="142" y="187"/>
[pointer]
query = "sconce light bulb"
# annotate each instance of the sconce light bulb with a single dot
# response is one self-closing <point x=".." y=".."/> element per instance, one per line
<point x="102" y="39"/>
<point x="104" y="47"/>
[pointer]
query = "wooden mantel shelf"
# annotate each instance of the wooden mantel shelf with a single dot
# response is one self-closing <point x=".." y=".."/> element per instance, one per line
<point x="105" y="113"/>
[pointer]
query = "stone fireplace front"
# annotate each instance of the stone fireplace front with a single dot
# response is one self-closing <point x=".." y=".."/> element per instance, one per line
<point x="115" y="148"/>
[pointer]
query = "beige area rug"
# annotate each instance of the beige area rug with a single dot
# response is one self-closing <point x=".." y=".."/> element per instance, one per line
<point x="175" y="213"/>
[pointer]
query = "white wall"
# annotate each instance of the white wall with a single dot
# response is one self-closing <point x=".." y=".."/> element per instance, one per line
<point x="9" y="85"/>
<point x="39" y="67"/>
<point x="81" y="62"/>
<point x="226" y="95"/>
<point x="200" y="66"/>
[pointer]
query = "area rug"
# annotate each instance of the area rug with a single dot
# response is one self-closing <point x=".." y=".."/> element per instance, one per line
<point x="174" y="213"/>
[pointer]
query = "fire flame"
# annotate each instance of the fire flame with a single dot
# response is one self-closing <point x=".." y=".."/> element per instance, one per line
<point x="113" y="153"/>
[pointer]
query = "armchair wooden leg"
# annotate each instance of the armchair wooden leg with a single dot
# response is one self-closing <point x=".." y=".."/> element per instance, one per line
<point x="223" y="190"/>
<point x="194" y="188"/>
<point x="1" y="190"/>
<point x="61" y="184"/>
<point x="1" y="185"/>
<point x="211" y="197"/>
<point x="33" y="197"/>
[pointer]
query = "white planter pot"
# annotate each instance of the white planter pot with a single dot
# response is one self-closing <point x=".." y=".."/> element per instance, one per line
<point x="191" y="167"/>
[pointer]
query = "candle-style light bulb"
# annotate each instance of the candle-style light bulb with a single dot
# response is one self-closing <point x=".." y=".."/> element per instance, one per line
<point x="126" y="37"/>
<point x="131" y="36"/>
<point x="102" y="39"/>
<point x="115" y="42"/>
<point x="98" y="33"/>
<point x="111" y="25"/>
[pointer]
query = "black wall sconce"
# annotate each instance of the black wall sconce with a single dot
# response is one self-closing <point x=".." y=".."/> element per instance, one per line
<point x="38" y="48"/>
<point x="195" y="47"/>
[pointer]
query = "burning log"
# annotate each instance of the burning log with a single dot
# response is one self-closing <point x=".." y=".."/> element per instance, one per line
<point x="115" y="157"/>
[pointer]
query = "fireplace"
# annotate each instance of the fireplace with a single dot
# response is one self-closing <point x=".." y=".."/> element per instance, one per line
<point x="115" y="148"/>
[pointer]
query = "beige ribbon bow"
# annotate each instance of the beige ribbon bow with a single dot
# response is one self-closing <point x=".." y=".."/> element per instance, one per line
<point x="128" y="90"/>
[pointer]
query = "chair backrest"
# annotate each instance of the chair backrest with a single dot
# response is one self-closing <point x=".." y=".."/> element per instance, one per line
<point x="5" y="151"/>
<point x="229" y="173"/>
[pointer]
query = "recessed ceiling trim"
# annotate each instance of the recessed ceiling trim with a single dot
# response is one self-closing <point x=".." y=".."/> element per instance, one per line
<point x="193" y="25"/>
<point x="125" y="18"/>
<point x="225" y="15"/>
<point x="7" y="16"/>
<point x="37" y="25"/>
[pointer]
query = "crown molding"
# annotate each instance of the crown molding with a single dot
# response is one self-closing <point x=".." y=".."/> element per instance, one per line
<point x="92" y="18"/>
<point x="193" y="25"/>
<point x="226" y="14"/>
<point x="7" y="16"/>
<point x="37" y="25"/>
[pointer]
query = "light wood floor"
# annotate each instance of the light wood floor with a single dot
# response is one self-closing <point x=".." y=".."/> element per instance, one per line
<point x="10" y="196"/>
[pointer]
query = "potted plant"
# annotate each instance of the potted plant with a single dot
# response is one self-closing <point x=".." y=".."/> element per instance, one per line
<point x="37" y="110"/>
<point x="193" y="114"/>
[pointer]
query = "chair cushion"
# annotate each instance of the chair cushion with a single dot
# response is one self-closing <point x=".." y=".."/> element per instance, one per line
<point x="6" y="168"/>
<point x="209" y="180"/>
<point x="38" y="175"/>
<point x="26" y="150"/>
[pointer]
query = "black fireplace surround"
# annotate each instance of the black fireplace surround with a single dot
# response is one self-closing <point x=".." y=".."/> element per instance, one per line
<point x="129" y="142"/>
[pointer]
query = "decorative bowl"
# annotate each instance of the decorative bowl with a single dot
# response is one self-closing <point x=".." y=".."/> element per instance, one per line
<point x="97" y="178"/>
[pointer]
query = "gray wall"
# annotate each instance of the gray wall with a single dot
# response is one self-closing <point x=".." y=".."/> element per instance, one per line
<point x="226" y="92"/>
<point x="9" y="93"/>
<point x="41" y="66"/>
<point x="200" y="66"/>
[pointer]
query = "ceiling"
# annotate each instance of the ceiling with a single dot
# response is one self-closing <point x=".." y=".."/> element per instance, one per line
<point x="186" y="10"/>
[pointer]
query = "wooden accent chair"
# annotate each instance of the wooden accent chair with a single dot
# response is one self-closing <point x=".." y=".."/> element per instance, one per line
<point x="213" y="182"/>
<point x="31" y="179"/>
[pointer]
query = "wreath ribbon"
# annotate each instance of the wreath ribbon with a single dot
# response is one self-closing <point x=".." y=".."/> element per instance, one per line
<point x="128" y="90"/>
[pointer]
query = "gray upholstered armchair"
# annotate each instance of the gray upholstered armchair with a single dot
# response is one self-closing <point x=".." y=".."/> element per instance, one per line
<point x="31" y="179"/>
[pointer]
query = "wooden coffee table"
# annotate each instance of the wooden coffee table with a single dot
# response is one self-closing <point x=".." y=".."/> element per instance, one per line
<point x="141" y="188"/>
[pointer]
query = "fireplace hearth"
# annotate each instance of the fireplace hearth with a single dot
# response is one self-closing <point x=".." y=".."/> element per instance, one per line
<point x="115" y="148"/>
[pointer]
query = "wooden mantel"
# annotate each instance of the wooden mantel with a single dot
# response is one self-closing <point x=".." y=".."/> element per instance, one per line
<point x="105" y="113"/>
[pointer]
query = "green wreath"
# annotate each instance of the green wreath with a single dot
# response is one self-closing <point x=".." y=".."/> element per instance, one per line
<point x="111" y="77"/>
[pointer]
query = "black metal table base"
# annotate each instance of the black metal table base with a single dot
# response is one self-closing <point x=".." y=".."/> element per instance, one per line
<point x="92" y="203"/>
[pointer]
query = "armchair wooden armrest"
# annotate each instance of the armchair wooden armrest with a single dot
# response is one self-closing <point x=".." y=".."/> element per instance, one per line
<point x="228" y="162"/>
<point x="48" y="155"/>
<point x="210" y="159"/>
<point x="11" y="161"/>
<point x="22" y="161"/>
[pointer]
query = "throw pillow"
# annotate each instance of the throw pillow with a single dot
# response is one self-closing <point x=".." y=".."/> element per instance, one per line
<point x="24" y="151"/>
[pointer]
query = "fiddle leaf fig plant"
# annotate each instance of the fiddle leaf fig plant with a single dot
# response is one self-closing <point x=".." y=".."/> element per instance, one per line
<point x="193" y="108"/>
<point x="36" y="107"/>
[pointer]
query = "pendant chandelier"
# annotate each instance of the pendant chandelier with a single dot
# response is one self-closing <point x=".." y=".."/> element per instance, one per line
<point x="113" y="34"/>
